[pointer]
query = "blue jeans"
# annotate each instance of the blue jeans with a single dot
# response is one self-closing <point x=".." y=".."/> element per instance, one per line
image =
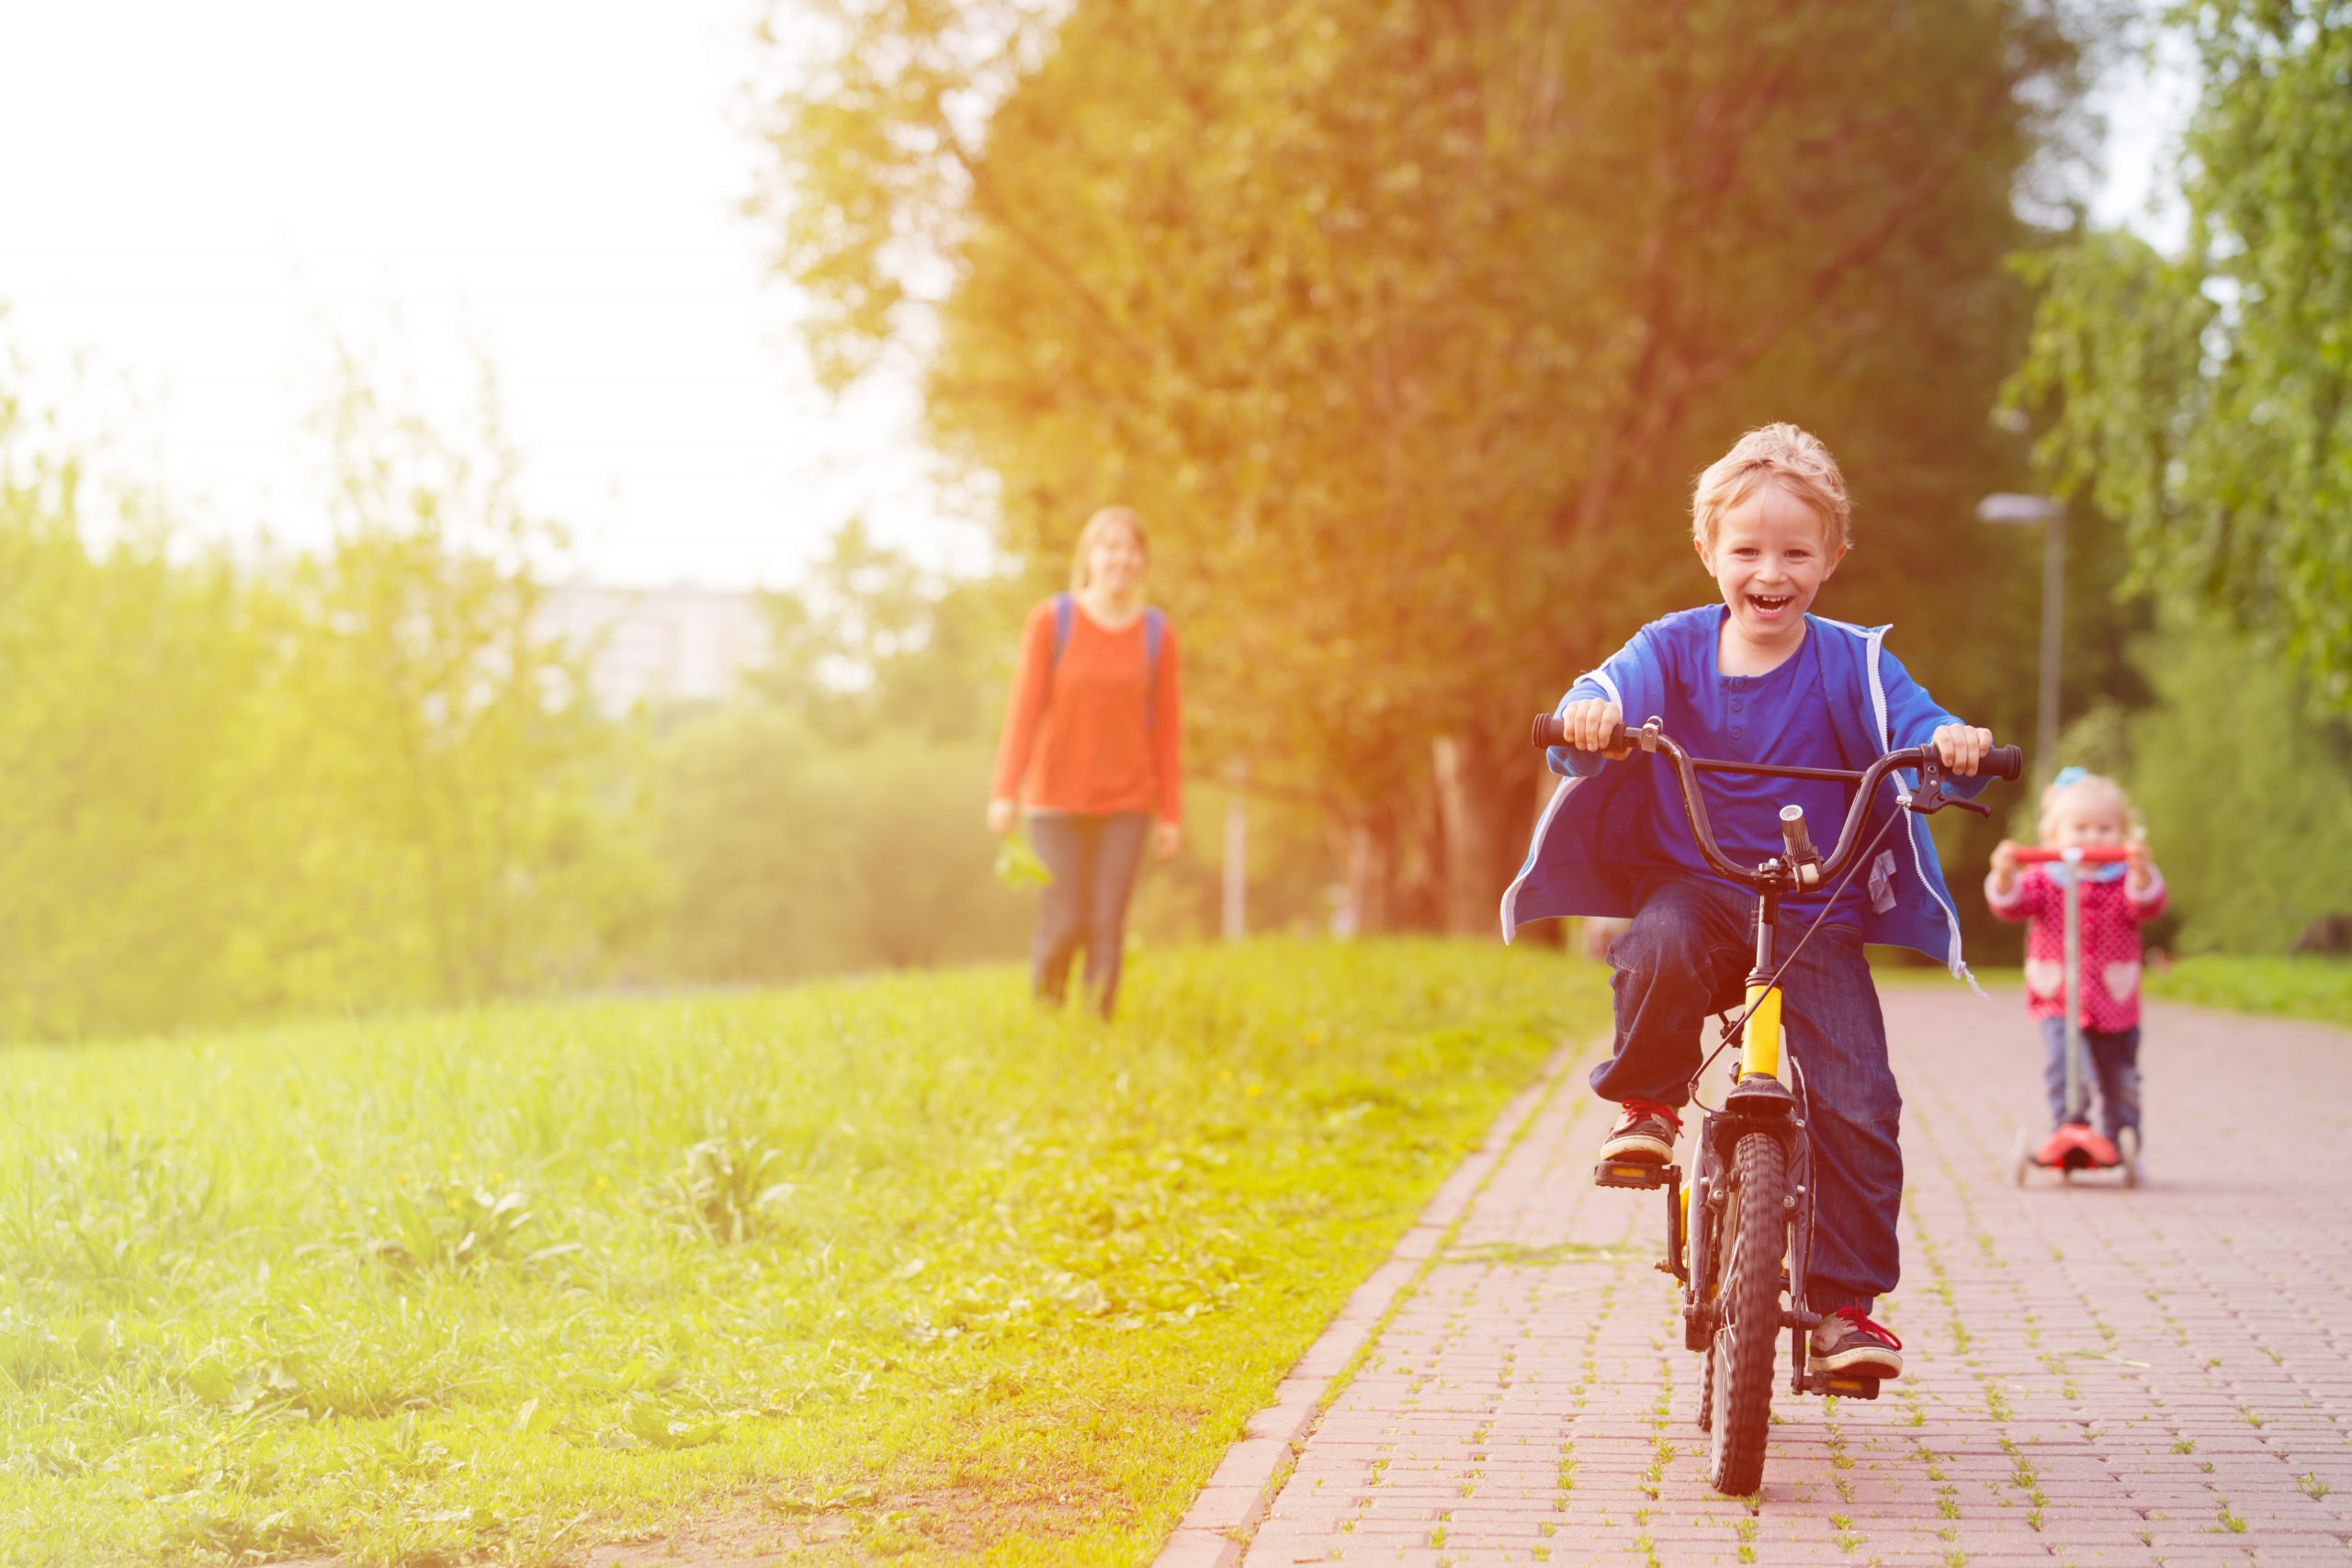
<point x="1094" y="861"/>
<point x="2115" y="1066"/>
<point x="1685" y="956"/>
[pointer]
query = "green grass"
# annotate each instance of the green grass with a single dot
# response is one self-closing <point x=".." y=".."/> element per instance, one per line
<point x="2292" y="988"/>
<point x="887" y="1268"/>
<point x="2317" y="988"/>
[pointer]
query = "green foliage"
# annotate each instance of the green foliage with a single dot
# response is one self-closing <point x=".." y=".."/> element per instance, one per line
<point x="359" y="778"/>
<point x="793" y="855"/>
<point x="2205" y="399"/>
<point x="1031" y="1278"/>
<point x="2249" y="815"/>
<point x="1405" y="326"/>
<point x="1018" y="865"/>
<point x="872" y="644"/>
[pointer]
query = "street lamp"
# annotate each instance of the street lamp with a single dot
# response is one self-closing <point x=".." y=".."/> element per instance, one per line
<point x="2052" y="512"/>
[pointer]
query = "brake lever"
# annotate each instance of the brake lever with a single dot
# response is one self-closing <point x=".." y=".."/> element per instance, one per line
<point x="1930" y="798"/>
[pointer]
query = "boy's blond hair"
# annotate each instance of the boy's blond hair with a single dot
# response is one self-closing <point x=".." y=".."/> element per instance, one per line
<point x="1101" y="522"/>
<point x="2072" y="782"/>
<point x="1783" y="454"/>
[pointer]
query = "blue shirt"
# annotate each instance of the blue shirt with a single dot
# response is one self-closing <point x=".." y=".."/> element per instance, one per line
<point x="1593" y="841"/>
<point x="1780" y="717"/>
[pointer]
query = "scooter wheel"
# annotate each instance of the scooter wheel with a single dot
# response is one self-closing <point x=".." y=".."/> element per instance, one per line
<point x="2020" y="1158"/>
<point x="2127" y="1147"/>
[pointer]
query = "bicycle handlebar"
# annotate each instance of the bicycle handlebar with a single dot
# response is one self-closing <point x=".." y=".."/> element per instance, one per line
<point x="2002" y="762"/>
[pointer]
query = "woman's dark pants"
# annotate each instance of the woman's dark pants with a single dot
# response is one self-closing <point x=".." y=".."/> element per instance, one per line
<point x="1093" y="860"/>
<point x="1686" y="956"/>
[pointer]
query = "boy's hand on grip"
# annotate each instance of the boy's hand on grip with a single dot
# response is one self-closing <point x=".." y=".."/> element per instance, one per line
<point x="1587" y="722"/>
<point x="1963" y="747"/>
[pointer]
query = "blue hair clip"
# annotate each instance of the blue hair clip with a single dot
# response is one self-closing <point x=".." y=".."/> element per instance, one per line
<point x="2067" y="776"/>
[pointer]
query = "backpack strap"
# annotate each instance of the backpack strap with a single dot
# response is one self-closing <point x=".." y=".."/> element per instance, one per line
<point x="1154" y="633"/>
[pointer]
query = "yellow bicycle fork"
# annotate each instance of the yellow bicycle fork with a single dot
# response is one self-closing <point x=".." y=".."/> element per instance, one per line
<point x="1759" y="1052"/>
<point x="1759" y="1043"/>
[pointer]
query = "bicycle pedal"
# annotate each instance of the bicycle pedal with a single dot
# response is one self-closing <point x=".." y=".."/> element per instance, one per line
<point x="1845" y="1385"/>
<point x="1628" y="1173"/>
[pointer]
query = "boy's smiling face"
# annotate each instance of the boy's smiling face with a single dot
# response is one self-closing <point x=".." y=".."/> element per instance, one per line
<point x="1771" y="554"/>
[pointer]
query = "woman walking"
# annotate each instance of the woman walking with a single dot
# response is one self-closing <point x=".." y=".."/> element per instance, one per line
<point x="1093" y="752"/>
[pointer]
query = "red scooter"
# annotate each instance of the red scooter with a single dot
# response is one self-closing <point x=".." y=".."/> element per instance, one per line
<point x="2075" y="1146"/>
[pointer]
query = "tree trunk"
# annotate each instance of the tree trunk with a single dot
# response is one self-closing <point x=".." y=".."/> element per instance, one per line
<point x="1371" y="855"/>
<point x="1482" y="813"/>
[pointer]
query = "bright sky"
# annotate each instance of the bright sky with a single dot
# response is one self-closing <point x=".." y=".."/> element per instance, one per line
<point x="198" y="199"/>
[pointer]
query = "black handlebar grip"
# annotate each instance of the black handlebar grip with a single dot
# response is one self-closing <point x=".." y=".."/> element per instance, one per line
<point x="1548" y="733"/>
<point x="2006" y="763"/>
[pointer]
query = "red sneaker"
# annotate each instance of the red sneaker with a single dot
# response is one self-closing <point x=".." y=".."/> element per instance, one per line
<point x="1848" y="1341"/>
<point x="1644" y="1133"/>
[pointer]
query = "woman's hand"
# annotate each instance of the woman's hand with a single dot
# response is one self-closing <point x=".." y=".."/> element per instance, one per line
<point x="1961" y="746"/>
<point x="1587" y="722"/>
<point x="1166" y="837"/>
<point x="1002" y="814"/>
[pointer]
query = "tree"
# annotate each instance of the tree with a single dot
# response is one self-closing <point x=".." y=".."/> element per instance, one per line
<point x="125" y="688"/>
<point x="1406" y="325"/>
<point x="2207" y="399"/>
<point x="461" y="814"/>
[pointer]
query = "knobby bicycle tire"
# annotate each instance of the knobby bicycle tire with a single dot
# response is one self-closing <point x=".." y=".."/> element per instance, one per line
<point x="1754" y="1235"/>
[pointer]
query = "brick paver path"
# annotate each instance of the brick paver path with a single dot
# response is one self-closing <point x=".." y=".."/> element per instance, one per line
<point x="2096" y="1376"/>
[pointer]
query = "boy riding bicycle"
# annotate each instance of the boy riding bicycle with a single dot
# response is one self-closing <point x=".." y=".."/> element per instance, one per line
<point x="1758" y="679"/>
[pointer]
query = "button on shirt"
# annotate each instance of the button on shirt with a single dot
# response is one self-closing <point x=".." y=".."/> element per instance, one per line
<point x="1782" y="718"/>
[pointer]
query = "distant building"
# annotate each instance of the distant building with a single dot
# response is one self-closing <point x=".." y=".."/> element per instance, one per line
<point x="659" y="645"/>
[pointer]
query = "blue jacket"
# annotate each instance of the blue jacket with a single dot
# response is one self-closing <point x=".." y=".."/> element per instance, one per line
<point x="1579" y="864"/>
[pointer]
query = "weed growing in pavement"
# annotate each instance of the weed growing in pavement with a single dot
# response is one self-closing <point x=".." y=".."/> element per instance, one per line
<point x="2311" y="1486"/>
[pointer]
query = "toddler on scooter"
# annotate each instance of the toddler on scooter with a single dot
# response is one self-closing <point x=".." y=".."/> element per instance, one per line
<point x="2086" y="811"/>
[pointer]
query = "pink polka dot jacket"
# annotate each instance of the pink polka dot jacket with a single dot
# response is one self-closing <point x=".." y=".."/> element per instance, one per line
<point x="2111" y="917"/>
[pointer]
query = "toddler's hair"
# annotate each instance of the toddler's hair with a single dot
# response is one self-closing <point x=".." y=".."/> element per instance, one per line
<point x="1790" y="457"/>
<point x="1101" y="522"/>
<point x="2072" y="782"/>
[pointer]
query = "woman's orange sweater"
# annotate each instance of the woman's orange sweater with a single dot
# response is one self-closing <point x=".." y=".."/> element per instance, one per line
<point x="1074" y="734"/>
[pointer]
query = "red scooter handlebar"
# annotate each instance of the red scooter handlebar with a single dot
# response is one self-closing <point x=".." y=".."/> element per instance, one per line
<point x="2103" y="855"/>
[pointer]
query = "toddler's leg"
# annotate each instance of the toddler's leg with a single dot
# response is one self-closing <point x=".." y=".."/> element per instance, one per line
<point x="1838" y="1038"/>
<point x="2116" y="1059"/>
<point x="2053" y="1067"/>
<point x="1686" y="950"/>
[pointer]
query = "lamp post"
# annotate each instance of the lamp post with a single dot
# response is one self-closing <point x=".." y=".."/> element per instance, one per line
<point x="2050" y="512"/>
<point x="1235" y="924"/>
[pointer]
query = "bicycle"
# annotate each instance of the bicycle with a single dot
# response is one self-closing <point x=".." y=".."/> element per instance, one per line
<point x="1740" y="1238"/>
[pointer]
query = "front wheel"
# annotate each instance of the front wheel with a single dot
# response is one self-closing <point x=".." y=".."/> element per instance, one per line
<point x="1754" y="1235"/>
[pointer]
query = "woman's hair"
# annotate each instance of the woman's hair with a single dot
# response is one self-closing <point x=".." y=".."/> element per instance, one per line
<point x="2072" y="783"/>
<point x="1781" y="455"/>
<point x="1101" y="522"/>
